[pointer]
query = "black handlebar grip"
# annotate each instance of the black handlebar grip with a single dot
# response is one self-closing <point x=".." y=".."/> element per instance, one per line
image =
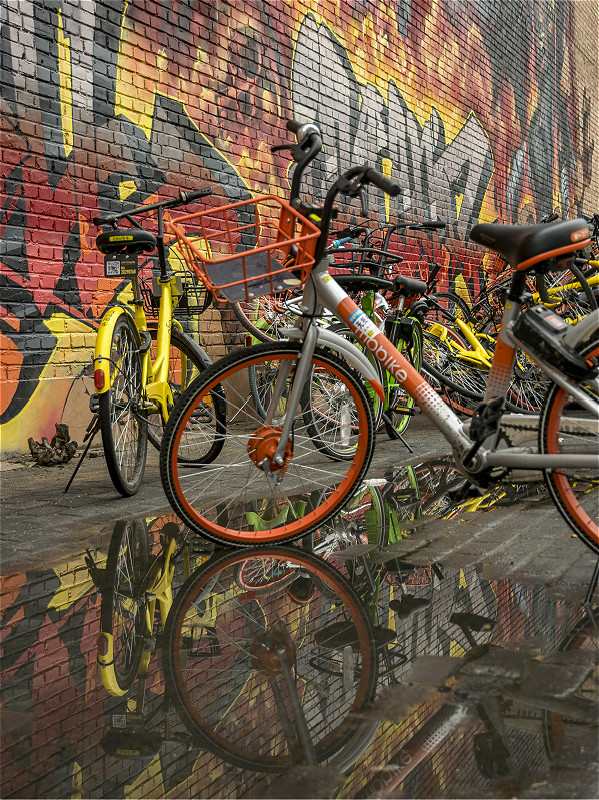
<point x="184" y="197"/>
<point x="293" y="125"/>
<point x="102" y="220"/>
<point x="377" y="179"/>
<point x="436" y="224"/>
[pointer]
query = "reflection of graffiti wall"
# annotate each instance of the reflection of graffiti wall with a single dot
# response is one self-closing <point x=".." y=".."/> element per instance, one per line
<point x="480" y="110"/>
<point x="55" y="710"/>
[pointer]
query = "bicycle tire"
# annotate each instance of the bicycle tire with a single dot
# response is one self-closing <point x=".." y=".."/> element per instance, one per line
<point x="123" y="423"/>
<point x="397" y="419"/>
<point x="223" y="687"/>
<point x="196" y="494"/>
<point x="325" y="409"/>
<point x="272" y="575"/>
<point x="565" y="427"/>
<point x="264" y="316"/>
<point x="122" y="610"/>
<point x="211" y="418"/>
<point x="449" y="307"/>
<point x="461" y="385"/>
<point x="560" y="732"/>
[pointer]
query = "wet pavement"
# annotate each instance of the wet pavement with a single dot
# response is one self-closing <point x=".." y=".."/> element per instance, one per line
<point x="461" y="663"/>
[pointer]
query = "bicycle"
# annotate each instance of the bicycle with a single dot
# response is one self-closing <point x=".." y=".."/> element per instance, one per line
<point x="277" y="459"/>
<point x="238" y="666"/>
<point x="137" y="580"/>
<point x="140" y="367"/>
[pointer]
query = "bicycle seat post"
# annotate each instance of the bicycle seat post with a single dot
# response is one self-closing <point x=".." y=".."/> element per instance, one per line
<point x="165" y="272"/>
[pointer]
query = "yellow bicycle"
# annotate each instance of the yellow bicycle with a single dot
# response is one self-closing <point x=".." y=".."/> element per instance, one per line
<point x="140" y="367"/>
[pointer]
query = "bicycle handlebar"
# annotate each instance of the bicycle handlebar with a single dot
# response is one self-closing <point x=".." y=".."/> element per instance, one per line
<point x="182" y="199"/>
<point x="385" y="184"/>
<point x="293" y="125"/>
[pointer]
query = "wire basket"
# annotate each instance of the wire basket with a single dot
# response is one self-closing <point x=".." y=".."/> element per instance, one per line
<point x="242" y="250"/>
<point x="192" y="300"/>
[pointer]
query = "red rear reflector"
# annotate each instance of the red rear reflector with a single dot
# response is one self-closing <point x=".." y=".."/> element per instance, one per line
<point x="102" y="645"/>
<point x="99" y="379"/>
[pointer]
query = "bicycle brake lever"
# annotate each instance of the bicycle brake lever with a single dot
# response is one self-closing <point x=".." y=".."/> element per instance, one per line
<point x="275" y="148"/>
<point x="364" y="200"/>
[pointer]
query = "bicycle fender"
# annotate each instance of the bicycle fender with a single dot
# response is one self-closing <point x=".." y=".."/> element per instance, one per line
<point x="336" y="342"/>
<point x="102" y="348"/>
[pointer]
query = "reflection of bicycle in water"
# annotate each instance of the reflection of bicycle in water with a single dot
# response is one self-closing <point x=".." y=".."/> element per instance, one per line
<point x="239" y="662"/>
<point x="142" y="566"/>
<point x="504" y="717"/>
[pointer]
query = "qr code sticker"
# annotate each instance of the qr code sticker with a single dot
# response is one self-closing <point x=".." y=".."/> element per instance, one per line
<point x="113" y="268"/>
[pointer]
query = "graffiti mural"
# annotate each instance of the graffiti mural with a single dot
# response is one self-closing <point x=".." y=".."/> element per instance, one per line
<point x="115" y="103"/>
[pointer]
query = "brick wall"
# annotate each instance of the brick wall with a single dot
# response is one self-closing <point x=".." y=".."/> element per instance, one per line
<point x="480" y="110"/>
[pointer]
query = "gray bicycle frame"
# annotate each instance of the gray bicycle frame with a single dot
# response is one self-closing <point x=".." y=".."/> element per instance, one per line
<point x="321" y="292"/>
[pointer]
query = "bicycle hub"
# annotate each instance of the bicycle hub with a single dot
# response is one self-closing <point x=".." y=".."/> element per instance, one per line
<point x="262" y="446"/>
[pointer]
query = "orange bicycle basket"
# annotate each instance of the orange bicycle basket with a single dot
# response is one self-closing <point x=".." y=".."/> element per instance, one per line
<point x="247" y="249"/>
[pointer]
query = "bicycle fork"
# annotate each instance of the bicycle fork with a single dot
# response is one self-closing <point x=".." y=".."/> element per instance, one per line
<point x="302" y="372"/>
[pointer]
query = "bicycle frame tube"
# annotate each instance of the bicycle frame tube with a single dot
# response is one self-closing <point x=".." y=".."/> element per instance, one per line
<point x="334" y="297"/>
<point x="155" y="374"/>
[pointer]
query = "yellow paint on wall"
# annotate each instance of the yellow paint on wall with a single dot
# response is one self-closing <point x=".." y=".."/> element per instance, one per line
<point x="77" y="793"/>
<point x="71" y="588"/>
<point x="456" y="650"/>
<point x="459" y="198"/>
<point x="126" y="188"/>
<point x="462" y="291"/>
<point x="66" y="93"/>
<point x="149" y="780"/>
<point x="34" y="419"/>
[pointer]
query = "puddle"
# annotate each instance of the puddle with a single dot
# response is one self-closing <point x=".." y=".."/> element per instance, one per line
<point x="384" y="673"/>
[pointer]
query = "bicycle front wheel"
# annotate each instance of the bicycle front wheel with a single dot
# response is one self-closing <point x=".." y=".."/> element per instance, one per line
<point x="187" y="360"/>
<point x="565" y="427"/>
<point x="122" y="612"/>
<point x="243" y="497"/>
<point x="123" y="421"/>
<point x="228" y="680"/>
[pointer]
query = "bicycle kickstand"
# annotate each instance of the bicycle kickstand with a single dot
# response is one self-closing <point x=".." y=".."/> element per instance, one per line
<point x="92" y="429"/>
<point x="395" y="434"/>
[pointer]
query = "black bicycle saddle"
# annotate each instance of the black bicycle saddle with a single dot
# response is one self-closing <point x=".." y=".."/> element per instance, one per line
<point x="128" y="240"/>
<point x="525" y="246"/>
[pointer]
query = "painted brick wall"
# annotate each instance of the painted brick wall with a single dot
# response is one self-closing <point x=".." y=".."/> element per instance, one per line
<point x="481" y="110"/>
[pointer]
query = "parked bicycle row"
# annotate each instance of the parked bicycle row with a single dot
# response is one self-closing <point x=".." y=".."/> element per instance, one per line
<point x="344" y="342"/>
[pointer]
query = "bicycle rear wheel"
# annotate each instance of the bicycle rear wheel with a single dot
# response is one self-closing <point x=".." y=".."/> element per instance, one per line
<point x="187" y="360"/>
<point x="242" y="497"/>
<point x="263" y="317"/>
<point x="564" y="427"/>
<point x="122" y="612"/>
<point x="330" y="413"/>
<point x="123" y="422"/>
<point x="225" y="675"/>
